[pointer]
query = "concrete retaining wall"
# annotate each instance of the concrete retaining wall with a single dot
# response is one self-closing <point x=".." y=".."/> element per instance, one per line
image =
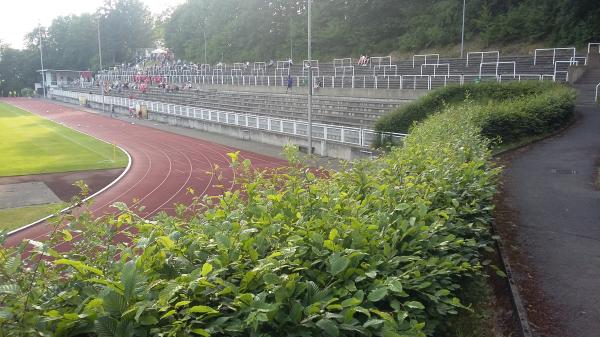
<point x="320" y="147"/>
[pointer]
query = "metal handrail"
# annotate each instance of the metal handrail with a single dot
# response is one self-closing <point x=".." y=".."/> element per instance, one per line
<point x="339" y="79"/>
<point x="597" y="88"/>
<point x="497" y="64"/>
<point x="553" y="53"/>
<point x="435" y="66"/>
<point x="593" y="44"/>
<point x="482" y="53"/>
<point x="425" y="56"/>
<point x="329" y="132"/>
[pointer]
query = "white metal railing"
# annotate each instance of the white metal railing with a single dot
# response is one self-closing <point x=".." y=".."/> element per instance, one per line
<point x="425" y="57"/>
<point x="328" y="132"/>
<point x="314" y="65"/>
<point x="387" y="68"/>
<point x="435" y="66"/>
<point x="380" y="60"/>
<point x="343" y="62"/>
<point x="346" y="80"/>
<point x="259" y="68"/>
<point x="554" y="50"/>
<point x="566" y="72"/>
<point x="497" y="64"/>
<point x="520" y="77"/>
<point x="596" y="97"/>
<point x="576" y="59"/>
<point x="482" y="53"/>
<point x="343" y="69"/>
<point x="593" y="44"/>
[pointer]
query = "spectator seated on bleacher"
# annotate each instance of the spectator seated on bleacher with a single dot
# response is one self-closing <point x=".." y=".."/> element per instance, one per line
<point x="363" y="60"/>
<point x="271" y="63"/>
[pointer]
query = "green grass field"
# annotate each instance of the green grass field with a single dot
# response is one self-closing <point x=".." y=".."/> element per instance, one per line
<point x="13" y="218"/>
<point x="31" y="145"/>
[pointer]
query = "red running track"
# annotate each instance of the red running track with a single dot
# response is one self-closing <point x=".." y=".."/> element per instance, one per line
<point x="164" y="165"/>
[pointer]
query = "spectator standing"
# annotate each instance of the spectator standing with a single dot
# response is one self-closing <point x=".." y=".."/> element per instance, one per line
<point x="290" y="84"/>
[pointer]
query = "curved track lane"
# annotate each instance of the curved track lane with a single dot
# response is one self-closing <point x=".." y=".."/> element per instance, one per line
<point x="164" y="165"/>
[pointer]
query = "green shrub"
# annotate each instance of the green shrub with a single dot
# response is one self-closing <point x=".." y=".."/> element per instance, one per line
<point x="506" y="99"/>
<point x="377" y="249"/>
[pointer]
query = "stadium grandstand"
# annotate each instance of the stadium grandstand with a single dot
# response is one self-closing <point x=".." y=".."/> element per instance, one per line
<point x="350" y="94"/>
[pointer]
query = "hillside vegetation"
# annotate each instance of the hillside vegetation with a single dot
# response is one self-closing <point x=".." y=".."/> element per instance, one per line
<point x="240" y="30"/>
<point x="258" y="30"/>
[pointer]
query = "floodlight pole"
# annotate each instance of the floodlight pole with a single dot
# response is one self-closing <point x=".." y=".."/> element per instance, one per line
<point x="100" y="56"/>
<point x="205" y="59"/>
<point x="310" y="88"/>
<point x="462" y="39"/>
<point x="42" y="63"/>
<point x="204" y="33"/>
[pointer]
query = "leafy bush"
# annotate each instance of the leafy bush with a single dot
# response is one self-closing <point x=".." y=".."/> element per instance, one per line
<point x="377" y="249"/>
<point x="515" y="109"/>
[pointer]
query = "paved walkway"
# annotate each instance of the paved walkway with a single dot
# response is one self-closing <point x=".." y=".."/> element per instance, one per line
<point x="551" y="187"/>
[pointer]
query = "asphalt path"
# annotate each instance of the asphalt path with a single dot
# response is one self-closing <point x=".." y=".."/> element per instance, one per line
<point x="551" y="186"/>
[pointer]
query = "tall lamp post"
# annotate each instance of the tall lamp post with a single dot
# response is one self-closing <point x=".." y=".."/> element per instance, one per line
<point x="462" y="38"/>
<point x="42" y="62"/>
<point x="100" y="59"/>
<point x="204" y="34"/>
<point x="310" y="87"/>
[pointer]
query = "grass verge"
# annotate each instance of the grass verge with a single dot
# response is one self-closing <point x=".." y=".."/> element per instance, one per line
<point x="13" y="218"/>
<point x="32" y="145"/>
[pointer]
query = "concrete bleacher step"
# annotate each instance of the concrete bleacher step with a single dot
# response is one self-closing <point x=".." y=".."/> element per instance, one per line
<point x="338" y="110"/>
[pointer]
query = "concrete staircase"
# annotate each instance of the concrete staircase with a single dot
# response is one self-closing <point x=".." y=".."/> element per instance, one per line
<point x="586" y="85"/>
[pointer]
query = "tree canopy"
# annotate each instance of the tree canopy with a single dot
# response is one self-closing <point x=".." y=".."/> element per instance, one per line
<point x="252" y="30"/>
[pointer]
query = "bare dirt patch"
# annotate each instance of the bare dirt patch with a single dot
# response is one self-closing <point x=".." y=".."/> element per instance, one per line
<point x="62" y="183"/>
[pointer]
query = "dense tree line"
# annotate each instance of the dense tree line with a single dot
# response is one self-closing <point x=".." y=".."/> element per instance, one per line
<point x="238" y="30"/>
<point x="247" y="30"/>
<point x="71" y="42"/>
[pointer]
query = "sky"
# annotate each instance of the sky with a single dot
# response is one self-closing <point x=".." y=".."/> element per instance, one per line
<point x="19" y="17"/>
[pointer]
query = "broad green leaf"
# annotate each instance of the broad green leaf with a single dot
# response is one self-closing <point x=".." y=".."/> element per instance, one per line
<point x="128" y="279"/>
<point x="329" y="327"/>
<point x="181" y="304"/>
<point x="206" y="269"/>
<point x="79" y="266"/>
<point x="166" y="242"/>
<point x="67" y="236"/>
<point x="168" y="314"/>
<point x="338" y="263"/>
<point x="271" y="278"/>
<point x="373" y="322"/>
<point x="148" y="319"/>
<point x="201" y="309"/>
<point x="333" y="234"/>
<point x="395" y="286"/>
<point x="377" y="294"/>
<point x="13" y="263"/>
<point x="414" y="305"/>
<point x="351" y="302"/>
<point x="200" y="332"/>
